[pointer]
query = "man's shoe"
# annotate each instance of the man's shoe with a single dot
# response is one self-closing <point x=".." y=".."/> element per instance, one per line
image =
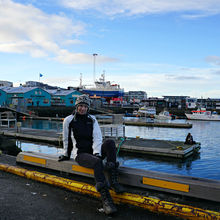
<point x="107" y="202"/>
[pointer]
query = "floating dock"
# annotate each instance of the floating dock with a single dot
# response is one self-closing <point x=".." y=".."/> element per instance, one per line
<point x="150" y="124"/>
<point x="176" y="184"/>
<point x="175" y="149"/>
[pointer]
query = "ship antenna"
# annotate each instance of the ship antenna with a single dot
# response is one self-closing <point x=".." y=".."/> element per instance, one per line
<point x="94" y="55"/>
<point x="103" y="75"/>
<point x="80" y="84"/>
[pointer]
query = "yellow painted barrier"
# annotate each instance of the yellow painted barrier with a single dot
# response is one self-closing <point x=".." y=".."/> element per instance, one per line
<point x="166" y="184"/>
<point x="152" y="204"/>
<point x="81" y="169"/>
<point x="34" y="159"/>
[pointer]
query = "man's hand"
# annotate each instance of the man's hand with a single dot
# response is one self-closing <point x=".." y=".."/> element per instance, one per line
<point x="62" y="158"/>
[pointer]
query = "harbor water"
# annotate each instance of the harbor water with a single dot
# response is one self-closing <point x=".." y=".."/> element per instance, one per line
<point x="206" y="164"/>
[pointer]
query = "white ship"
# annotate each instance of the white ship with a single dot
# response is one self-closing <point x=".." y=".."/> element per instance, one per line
<point x="104" y="89"/>
<point x="202" y="114"/>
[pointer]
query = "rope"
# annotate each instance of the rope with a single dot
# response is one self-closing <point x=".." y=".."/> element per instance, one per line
<point x="174" y="145"/>
<point x="119" y="145"/>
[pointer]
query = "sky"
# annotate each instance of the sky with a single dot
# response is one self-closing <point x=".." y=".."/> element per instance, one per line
<point x="163" y="47"/>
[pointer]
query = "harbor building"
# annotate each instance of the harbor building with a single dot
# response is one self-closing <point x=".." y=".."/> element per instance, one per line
<point x="209" y="103"/>
<point x="63" y="97"/>
<point x="27" y="96"/>
<point x="135" y="96"/>
<point x="39" y="84"/>
<point x="155" y="102"/>
<point x="176" y="101"/>
<point x="6" y="83"/>
<point x="3" y="97"/>
<point x="191" y="103"/>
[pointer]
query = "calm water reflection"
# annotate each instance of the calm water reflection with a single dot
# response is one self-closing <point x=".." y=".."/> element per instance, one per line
<point x="206" y="164"/>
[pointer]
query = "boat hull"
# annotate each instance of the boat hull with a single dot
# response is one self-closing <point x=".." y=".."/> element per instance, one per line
<point x="161" y="117"/>
<point x="203" y="117"/>
<point x="104" y="93"/>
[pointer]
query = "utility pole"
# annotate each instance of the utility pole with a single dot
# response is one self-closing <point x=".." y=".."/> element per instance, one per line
<point x="94" y="55"/>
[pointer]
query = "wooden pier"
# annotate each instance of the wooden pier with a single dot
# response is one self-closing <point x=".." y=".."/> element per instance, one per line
<point x="175" y="149"/>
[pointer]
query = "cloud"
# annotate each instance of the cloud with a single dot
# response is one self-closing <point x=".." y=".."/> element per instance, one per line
<point x="67" y="57"/>
<point x="213" y="60"/>
<point x="27" y="30"/>
<point x="160" y="85"/>
<point x="137" y="7"/>
<point x="182" y="77"/>
<point x="216" y="72"/>
<point x="194" y="82"/>
<point x="72" y="42"/>
<point x="64" y="80"/>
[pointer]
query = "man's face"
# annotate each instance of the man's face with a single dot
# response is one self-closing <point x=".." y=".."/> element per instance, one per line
<point x="82" y="109"/>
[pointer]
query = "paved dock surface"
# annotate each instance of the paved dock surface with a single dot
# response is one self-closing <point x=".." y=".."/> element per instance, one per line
<point x="22" y="198"/>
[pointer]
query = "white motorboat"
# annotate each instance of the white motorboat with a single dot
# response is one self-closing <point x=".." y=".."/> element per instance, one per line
<point x="202" y="114"/>
<point x="147" y="111"/>
<point x="164" y="115"/>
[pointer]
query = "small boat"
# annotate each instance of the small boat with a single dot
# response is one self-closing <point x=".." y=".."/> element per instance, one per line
<point x="202" y="114"/>
<point x="135" y="113"/>
<point x="147" y="111"/>
<point x="164" y="115"/>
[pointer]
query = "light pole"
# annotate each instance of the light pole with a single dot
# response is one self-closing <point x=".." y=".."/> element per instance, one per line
<point x="94" y="55"/>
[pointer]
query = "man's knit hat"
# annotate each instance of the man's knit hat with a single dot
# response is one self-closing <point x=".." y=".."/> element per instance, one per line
<point x="83" y="99"/>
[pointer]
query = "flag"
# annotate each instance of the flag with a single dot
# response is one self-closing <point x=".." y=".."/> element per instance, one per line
<point x="41" y="75"/>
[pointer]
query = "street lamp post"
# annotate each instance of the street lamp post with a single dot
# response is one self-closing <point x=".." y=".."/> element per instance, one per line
<point x="94" y="55"/>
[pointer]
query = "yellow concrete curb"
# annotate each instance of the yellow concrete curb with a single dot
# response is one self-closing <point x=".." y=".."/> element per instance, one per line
<point x="152" y="204"/>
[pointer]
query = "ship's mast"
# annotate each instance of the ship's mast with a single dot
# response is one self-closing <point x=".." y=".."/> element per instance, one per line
<point x="94" y="56"/>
